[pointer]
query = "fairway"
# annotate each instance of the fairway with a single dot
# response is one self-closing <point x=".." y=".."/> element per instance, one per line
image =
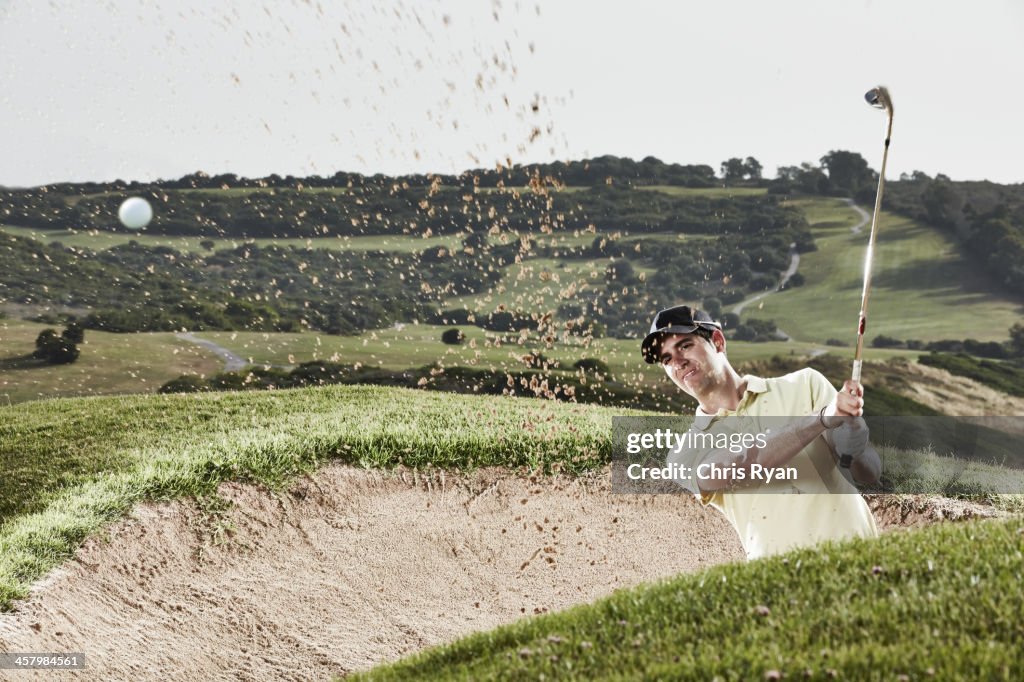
<point x="96" y="240"/>
<point x="420" y="344"/>
<point x="109" y="364"/>
<point x="923" y="287"/>
<point x="712" y="192"/>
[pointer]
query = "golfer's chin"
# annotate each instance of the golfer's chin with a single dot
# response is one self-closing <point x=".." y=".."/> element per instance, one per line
<point x="688" y="381"/>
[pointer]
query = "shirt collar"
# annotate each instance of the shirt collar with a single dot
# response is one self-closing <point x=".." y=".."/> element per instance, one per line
<point x="703" y="420"/>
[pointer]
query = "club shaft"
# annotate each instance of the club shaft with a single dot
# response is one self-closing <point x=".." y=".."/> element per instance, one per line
<point x="869" y="259"/>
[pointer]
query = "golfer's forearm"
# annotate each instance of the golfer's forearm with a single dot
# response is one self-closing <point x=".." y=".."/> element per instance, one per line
<point x="784" y="444"/>
<point x="780" y="447"/>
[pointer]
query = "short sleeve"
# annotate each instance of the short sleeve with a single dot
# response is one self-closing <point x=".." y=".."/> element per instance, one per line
<point x="822" y="391"/>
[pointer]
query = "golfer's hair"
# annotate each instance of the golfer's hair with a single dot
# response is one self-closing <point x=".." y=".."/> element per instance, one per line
<point x="703" y="333"/>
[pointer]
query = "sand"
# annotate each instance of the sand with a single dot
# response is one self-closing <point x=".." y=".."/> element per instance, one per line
<point x="353" y="568"/>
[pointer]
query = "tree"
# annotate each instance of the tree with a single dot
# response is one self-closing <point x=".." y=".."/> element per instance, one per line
<point x="847" y="171"/>
<point x="1017" y="340"/>
<point x="46" y="340"/>
<point x="621" y="270"/>
<point x="943" y="203"/>
<point x="74" y="333"/>
<point x="733" y="169"/>
<point x="712" y="306"/>
<point x="453" y="336"/>
<point x="59" y="350"/>
<point x="752" y="168"/>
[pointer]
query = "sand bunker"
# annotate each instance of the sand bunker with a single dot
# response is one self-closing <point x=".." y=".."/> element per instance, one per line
<point x="354" y="568"/>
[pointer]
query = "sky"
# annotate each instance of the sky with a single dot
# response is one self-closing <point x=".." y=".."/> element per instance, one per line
<point x="97" y="91"/>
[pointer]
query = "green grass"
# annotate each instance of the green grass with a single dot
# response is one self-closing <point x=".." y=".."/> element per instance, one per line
<point x="714" y="192"/>
<point x="941" y="603"/>
<point x="537" y="284"/>
<point x="109" y="363"/>
<point x="112" y="364"/>
<point x="96" y="240"/>
<point x="923" y="287"/>
<point x="71" y="465"/>
<point x="1001" y="376"/>
<point x="418" y="345"/>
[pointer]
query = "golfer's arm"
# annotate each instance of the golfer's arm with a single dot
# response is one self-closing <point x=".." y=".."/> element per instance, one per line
<point x="866" y="468"/>
<point x="780" y="447"/>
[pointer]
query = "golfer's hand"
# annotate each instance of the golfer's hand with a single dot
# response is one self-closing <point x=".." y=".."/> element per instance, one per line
<point x="851" y="438"/>
<point x="848" y="403"/>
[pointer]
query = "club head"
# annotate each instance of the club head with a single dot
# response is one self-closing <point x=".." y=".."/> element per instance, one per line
<point x="879" y="98"/>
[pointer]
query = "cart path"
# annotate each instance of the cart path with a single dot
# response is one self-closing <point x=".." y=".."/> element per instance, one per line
<point x="232" y="362"/>
<point x="794" y="264"/>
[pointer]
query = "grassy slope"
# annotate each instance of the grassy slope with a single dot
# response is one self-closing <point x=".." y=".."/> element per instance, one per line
<point x="141" y="363"/>
<point x="417" y="345"/>
<point x="71" y="465"/>
<point x="908" y="302"/>
<point x="940" y="603"/>
<point x="713" y="192"/>
<point x="922" y="287"/>
<point x="109" y="364"/>
<point x="100" y="241"/>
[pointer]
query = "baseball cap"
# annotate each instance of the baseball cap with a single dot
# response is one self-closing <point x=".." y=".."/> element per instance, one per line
<point x="681" y="319"/>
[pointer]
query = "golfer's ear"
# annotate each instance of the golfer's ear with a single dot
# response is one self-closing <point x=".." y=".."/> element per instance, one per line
<point x="718" y="340"/>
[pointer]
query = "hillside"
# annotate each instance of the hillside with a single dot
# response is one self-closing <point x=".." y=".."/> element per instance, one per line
<point x="307" y="521"/>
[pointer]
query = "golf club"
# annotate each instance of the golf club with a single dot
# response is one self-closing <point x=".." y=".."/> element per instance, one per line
<point x="879" y="98"/>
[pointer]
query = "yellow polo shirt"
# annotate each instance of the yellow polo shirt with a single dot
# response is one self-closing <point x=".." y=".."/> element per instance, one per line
<point x="821" y="504"/>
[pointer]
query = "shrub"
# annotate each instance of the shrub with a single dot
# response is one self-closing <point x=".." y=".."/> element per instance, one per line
<point x="756" y="330"/>
<point x="453" y="336"/>
<point x="538" y="361"/>
<point x="985" y="349"/>
<point x="712" y="306"/>
<point x="57" y="350"/>
<point x="882" y="341"/>
<point x="74" y="333"/>
<point x="761" y="283"/>
<point x="727" y="296"/>
<point x="186" y="383"/>
<point x="226" y="381"/>
<point x="592" y="365"/>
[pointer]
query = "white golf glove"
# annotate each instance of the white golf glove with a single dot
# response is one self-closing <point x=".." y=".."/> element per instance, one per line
<point x="851" y="438"/>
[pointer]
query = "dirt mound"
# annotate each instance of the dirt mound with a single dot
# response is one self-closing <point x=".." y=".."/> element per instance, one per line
<point x="348" y="570"/>
<point x="956" y="395"/>
<point x="912" y="511"/>
<point x="358" y="567"/>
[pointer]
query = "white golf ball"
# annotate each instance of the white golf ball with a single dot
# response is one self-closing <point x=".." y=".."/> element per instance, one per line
<point x="135" y="213"/>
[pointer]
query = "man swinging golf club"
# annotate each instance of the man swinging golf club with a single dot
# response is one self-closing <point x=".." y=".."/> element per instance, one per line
<point x="821" y="422"/>
<point x="824" y="429"/>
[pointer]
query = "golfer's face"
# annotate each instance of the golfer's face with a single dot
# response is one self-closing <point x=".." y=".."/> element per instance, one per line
<point x="692" y="363"/>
